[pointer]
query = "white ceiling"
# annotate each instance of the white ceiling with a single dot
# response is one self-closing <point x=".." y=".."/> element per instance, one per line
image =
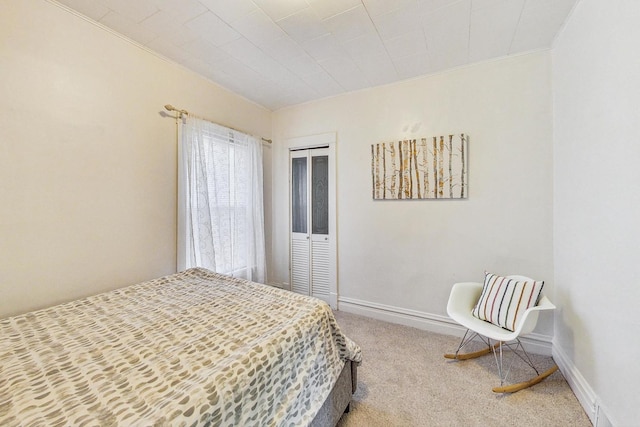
<point x="284" y="52"/>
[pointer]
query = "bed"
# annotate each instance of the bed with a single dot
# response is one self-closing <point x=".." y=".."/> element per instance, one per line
<point x="189" y="349"/>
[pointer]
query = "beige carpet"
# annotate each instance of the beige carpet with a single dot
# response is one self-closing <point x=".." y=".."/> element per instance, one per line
<point x="404" y="380"/>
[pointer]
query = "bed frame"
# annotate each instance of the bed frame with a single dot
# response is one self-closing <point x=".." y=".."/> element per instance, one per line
<point x="339" y="400"/>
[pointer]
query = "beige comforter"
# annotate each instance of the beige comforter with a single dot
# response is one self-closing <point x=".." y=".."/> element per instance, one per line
<point x="194" y="348"/>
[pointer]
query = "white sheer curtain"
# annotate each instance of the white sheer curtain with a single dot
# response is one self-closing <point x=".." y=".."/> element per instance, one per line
<point x="220" y="209"/>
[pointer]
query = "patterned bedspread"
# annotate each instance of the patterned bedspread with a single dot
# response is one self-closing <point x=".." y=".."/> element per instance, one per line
<point x="194" y="348"/>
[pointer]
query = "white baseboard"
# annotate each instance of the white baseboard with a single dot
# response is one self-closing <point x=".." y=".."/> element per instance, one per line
<point x="581" y="388"/>
<point x="401" y="316"/>
<point x="535" y="343"/>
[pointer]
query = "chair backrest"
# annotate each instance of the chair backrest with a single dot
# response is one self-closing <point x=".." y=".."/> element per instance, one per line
<point x="465" y="295"/>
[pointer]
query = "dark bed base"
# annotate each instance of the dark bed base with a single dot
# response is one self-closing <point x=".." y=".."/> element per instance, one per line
<point x="338" y="401"/>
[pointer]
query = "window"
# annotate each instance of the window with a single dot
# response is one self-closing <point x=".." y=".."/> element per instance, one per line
<point x="220" y="191"/>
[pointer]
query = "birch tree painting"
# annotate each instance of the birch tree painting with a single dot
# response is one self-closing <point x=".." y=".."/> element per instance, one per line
<point x="428" y="168"/>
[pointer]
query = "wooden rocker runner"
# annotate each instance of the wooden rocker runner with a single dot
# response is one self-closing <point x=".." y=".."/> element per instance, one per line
<point x="462" y="300"/>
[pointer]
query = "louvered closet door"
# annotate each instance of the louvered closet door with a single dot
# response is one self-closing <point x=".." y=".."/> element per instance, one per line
<point x="300" y="253"/>
<point x="320" y="223"/>
<point x="310" y="210"/>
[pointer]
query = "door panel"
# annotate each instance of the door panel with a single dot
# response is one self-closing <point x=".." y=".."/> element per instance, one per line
<point x="300" y="254"/>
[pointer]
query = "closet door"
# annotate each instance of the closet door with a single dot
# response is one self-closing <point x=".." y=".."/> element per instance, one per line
<point x="300" y="248"/>
<point x="310" y="234"/>
<point x="320" y="223"/>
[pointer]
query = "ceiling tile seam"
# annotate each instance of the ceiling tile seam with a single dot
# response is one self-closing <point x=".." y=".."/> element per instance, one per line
<point x="564" y="24"/>
<point x="336" y="14"/>
<point x="369" y="83"/>
<point x="515" y="31"/>
<point x="469" y="32"/>
<point x="386" y="50"/>
<point x="424" y="39"/>
<point x="144" y="19"/>
<point x="127" y="17"/>
<point x="331" y="75"/>
<point x="289" y="15"/>
<point x="207" y="10"/>
<point x="183" y="25"/>
<point x="108" y="12"/>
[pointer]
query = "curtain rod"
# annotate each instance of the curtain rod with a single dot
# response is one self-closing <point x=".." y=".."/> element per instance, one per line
<point x="170" y="107"/>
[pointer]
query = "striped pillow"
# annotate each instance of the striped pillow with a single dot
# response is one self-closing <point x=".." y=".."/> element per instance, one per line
<point x="503" y="301"/>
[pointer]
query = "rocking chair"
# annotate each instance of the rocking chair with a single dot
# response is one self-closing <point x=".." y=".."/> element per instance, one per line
<point x="462" y="300"/>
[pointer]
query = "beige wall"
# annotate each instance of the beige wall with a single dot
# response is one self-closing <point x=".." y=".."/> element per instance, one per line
<point x="406" y="255"/>
<point x="87" y="163"/>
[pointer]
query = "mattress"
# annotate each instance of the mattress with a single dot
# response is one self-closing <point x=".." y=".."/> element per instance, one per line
<point x="193" y="348"/>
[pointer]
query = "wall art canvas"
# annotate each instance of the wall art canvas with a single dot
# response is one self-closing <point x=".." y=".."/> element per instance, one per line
<point x="424" y="168"/>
